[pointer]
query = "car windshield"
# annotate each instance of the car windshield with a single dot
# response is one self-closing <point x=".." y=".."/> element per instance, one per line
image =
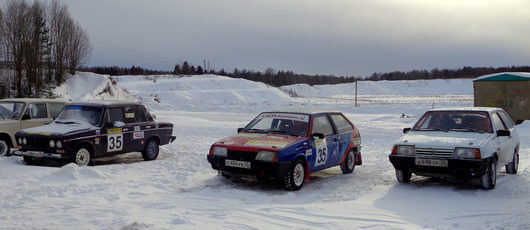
<point x="460" y="121"/>
<point x="280" y="123"/>
<point x="11" y="110"/>
<point x="75" y="114"/>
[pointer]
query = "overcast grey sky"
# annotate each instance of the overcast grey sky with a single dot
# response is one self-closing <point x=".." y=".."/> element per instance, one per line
<point x="342" y="37"/>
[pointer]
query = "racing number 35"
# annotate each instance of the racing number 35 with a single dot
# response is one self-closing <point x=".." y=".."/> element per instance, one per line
<point x="114" y="142"/>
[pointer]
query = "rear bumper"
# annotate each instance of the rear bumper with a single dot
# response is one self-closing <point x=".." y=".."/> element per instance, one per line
<point x="38" y="154"/>
<point x="456" y="168"/>
<point x="257" y="168"/>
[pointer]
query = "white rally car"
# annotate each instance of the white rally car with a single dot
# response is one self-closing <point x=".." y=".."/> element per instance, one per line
<point x="459" y="143"/>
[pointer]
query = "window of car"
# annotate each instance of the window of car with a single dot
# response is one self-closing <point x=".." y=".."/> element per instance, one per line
<point x="498" y="122"/>
<point x="134" y="114"/>
<point x="115" y="114"/>
<point x="38" y="110"/>
<point x="460" y="121"/>
<point x="322" y="125"/>
<point x="508" y="122"/>
<point x="55" y="109"/>
<point x="341" y="123"/>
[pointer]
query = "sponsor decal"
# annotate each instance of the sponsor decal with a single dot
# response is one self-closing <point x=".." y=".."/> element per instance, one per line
<point x="129" y="115"/>
<point x="113" y="131"/>
<point x="290" y="116"/>
<point x="39" y="133"/>
<point x="138" y="135"/>
<point x="96" y="141"/>
<point x="309" y="152"/>
<point x="321" y="151"/>
<point x="278" y="144"/>
<point x="250" y="135"/>
<point x="98" y="132"/>
<point x="136" y="128"/>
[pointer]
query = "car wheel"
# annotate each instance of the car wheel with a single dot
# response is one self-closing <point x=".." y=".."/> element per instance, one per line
<point x="512" y="167"/>
<point x="4" y="148"/>
<point x="29" y="160"/>
<point x="151" y="150"/>
<point x="82" y="157"/>
<point x="348" y="165"/>
<point x="489" y="179"/>
<point x="294" y="179"/>
<point x="403" y="176"/>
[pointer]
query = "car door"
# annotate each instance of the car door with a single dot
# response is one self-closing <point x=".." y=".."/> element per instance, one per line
<point x="324" y="149"/>
<point x="344" y="134"/>
<point x="502" y="143"/>
<point x="513" y="140"/>
<point x="135" y="122"/>
<point x="115" y="135"/>
<point x="36" y="114"/>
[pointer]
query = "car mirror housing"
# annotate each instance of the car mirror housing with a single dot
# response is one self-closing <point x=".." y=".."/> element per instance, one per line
<point x="406" y="130"/>
<point x="240" y="129"/>
<point x="315" y="136"/>
<point x="503" y="133"/>
<point x="26" y="117"/>
<point x="108" y="125"/>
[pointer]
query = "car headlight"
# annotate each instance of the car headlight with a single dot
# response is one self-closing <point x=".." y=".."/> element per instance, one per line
<point x="404" y="150"/>
<point x="52" y="143"/>
<point x="267" y="156"/>
<point x="468" y="153"/>
<point x="220" y="151"/>
<point x="24" y="141"/>
<point x="59" y="144"/>
<point x="19" y="141"/>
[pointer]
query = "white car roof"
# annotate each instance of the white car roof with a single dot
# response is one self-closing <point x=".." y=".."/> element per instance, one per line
<point x="483" y="109"/>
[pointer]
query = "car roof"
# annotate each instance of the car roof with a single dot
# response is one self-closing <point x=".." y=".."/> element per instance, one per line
<point x="34" y="100"/>
<point x="483" y="109"/>
<point x="308" y="112"/>
<point x="107" y="103"/>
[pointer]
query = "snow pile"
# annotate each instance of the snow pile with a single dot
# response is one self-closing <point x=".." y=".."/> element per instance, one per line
<point x="200" y="92"/>
<point x="90" y="86"/>
<point x="418" y="87"/>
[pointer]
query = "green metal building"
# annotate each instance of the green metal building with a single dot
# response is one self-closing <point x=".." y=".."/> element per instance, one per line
<point x="509" y="90"/>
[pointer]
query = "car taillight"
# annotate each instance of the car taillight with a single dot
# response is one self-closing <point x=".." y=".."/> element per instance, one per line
<point x="478" y="155"/>
<point x="395" y="150"/>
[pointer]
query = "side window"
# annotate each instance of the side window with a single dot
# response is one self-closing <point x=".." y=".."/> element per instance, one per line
<point x="507" y="120"/>
<point x="322" y="125"/>
<point x="341" y="123"/>
<point x="38" y="111"/>
<point x="139" y="113"/>
<point x="115" y="114"/>
<point x="497" y="122"/>
<point x="55" y="109"/>
<point x="147" y="114"/>
<point x="130" y="116"/>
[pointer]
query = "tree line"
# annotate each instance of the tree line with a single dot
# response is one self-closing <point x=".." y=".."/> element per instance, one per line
<point x="40" y="45"/>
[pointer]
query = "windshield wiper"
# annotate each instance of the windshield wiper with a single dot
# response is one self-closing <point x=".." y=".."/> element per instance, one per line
<point x="67" y="122"/>
<point x="281" y="131"/>
<point x="254" y="130"/>
<point x="467" y="130"/>
<point x="432" y="129"/>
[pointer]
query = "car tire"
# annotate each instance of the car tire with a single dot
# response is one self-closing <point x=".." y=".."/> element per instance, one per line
<point x="294" y="179"/>
<point x="82" y="157"/>
<point x="151" y="150"/>
<point x="348" y="165"/>
<point x="403" y="175"/>
<point x="489" y="179"/>
<point x="513" y="166"/>
<point x="29" y="160"/>
<point x="4" y="148"/>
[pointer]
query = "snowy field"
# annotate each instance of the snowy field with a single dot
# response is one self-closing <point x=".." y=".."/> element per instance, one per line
<point x="179" y="190"/>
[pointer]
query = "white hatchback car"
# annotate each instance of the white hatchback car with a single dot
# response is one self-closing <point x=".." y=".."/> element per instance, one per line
<point x="459" y="143"/>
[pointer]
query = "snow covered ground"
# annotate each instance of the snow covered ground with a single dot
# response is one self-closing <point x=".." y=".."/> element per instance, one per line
<point x="179" y="190"/>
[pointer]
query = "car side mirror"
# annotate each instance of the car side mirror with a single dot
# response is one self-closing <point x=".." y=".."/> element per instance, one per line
<point x="26" y="117"/>
<point x="240" y="129"/>
<point x="406" y="130"/>
<point x="316" y="136"/>
<point x="108" y="125"/>
<point x="503" y="133"/>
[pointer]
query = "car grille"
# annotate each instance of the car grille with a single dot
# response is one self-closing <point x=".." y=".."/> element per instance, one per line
<point x="241" y="155"/>
<point x="434" y="152"/>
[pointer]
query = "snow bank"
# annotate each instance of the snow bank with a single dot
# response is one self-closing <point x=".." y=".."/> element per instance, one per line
<point x="200" y="92"/>
<point x="418" y="87"/>
<point x="90" y="86"/>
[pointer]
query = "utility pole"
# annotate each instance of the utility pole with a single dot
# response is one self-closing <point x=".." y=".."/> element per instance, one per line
<point x="356" y="93"/>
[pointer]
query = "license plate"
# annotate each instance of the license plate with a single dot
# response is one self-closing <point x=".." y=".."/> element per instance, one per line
<point x="431" y="162"/>
<point x="237" y="164"/>
<point x="34" y="154"/>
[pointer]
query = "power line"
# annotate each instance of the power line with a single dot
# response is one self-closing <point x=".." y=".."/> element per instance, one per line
<point x="131" y="52"/>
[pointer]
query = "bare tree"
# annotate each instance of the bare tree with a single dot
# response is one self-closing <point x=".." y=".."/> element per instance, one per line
<point x="61" y="25"/>
<point x="78" y="48"/>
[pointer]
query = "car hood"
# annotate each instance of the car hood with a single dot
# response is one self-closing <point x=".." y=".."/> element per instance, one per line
<point x="58" y="129"/>
<point x="440" y="139"/>
<point x="259" y="140"/>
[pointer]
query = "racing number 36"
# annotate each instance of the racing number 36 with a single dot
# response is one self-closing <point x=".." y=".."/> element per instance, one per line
<point x="114" y="142"/>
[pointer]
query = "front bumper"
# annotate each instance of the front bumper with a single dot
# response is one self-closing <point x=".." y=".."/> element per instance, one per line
<point x="257" y="168"/>
<point x="456" y="168"/>
<point x="38" y="154"/>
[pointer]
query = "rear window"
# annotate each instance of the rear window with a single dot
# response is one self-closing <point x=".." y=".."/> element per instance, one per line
<point x="341" y="123"/>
